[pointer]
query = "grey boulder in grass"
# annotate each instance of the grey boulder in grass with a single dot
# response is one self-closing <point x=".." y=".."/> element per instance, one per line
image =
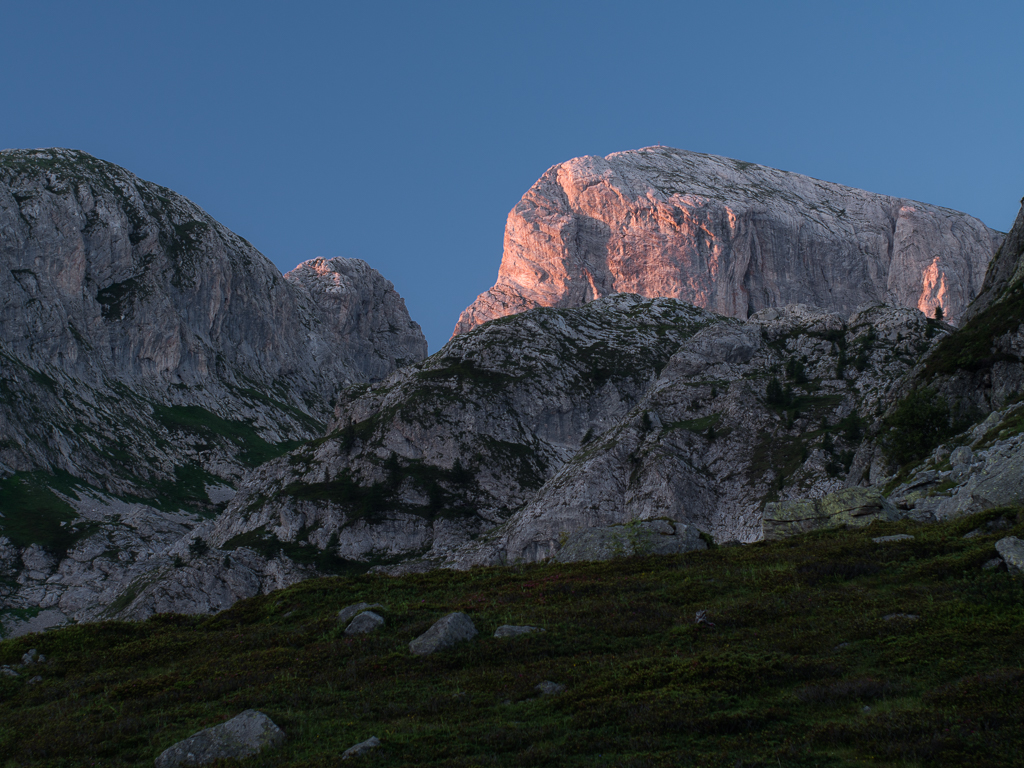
<point x="509" y="630"/>
<point x="1011" y="550"/>
<point x="367" y="621"/>
<point x="348" y="613"/>
<point x="446" y="632"/>
<point x="242" y="736"/>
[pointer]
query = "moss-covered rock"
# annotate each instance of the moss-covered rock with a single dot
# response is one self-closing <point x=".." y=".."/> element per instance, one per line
<point x="850" y="507"/>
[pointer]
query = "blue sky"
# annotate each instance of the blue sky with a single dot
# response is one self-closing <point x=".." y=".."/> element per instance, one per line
<point x="403" y="133"/>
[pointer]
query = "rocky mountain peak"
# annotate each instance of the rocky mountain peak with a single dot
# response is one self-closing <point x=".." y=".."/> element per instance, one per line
<point x="366" y="316"/>
<point x="149" y="357"/>
<point x="730" y="236"/>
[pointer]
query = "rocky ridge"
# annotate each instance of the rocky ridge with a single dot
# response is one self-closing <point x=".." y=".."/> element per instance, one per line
<point x="728" y="236"/>
<point x="626" y="425"/>
<point x="149" y="358"/>
<point x="521" y="434"/>
<point x="947" y="441"/>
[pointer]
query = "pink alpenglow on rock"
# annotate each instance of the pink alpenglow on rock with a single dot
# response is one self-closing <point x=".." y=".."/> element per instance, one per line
<point x="729" y="236"/>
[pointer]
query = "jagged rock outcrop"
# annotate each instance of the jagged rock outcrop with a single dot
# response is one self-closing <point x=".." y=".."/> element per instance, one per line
<point x="711" y="443"/>
<point x="970" y="375"/>
<point x="440" y="452"/>
<point x="148" y="358"/>
<point x="1004" y="270"/>
<point x="729" y="236"/>
<point x="948" y="439"/>
<point x="521" y="435"/>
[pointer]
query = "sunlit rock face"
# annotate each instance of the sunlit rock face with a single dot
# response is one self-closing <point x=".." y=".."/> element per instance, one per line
<point x="728" y="236"/>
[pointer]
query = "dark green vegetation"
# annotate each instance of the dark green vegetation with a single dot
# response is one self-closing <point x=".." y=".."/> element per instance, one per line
<point x="797" y="647"/>
<point x="920" y="422"/>
<point x="199" y="421"/>
<point x="34" y="514"/>
<point x="970" y="348"/>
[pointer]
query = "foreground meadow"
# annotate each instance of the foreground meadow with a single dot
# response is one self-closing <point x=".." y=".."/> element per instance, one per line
<point x="827" y="649"/>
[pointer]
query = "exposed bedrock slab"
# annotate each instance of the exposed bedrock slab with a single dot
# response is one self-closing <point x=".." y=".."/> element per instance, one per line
<point x="652" y="537"/>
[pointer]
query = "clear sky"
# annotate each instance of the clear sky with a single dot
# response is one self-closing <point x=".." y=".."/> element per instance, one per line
<point x="402" y="133"/>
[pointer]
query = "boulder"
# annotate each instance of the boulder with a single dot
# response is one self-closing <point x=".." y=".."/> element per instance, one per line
<point x="649" y="537"/>
<point x="348" y="613"/>
<point x="361" y="748"/>
<point x="367" y="621"/>
<point x="990" y="527"/>
<point x="242" y="736"/>
<point x="548" y="688"/>
<point x="509" y="630"/>
<point x="446" y="632"/>
<point x="895" y="537"/>
<point x="961" y="456"/>
<point x="849" y="506"/>
<point x="1011" y="550"/>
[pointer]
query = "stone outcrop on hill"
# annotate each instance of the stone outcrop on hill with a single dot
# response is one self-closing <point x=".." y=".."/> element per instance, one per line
<point x="148" y="358"/>
<point x="242" y="736"/>
<point x="729" y="236"/>
<point x="518" y="436"/>
<point x="850" y="507"/>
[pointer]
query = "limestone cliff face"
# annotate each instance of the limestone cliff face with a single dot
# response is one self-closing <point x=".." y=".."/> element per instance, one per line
<point x="119" y="294"/>
<point x="364" y="330"/>
<point x="149" y="357"/>
<point x="728" y="236"/>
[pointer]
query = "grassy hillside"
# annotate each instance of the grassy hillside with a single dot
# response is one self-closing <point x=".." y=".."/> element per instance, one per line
<point x="800" y="667"/>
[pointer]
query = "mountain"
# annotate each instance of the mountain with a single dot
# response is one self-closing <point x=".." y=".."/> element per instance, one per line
<point x="728" y="236"/>
<point x="149" y="357"/>
<point x="950" y="439"/>
<point x="168" y="448"/>
<point x="535" y="427"/>
<point x="624" y="415"/>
